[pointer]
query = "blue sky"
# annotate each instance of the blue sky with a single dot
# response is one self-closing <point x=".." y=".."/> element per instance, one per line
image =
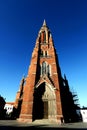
<point x="20" y="21"/>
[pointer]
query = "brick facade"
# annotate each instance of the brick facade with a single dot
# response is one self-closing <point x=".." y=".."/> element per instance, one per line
<point x="39" y="93"/>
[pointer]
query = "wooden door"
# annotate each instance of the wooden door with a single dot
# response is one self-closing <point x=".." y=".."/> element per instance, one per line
<point x="45" y="109"/>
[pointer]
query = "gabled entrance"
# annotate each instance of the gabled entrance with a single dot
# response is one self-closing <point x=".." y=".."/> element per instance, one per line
<point x="44" y="105"/>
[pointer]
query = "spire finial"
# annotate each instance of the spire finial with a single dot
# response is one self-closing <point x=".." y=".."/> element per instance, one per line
<point x="44" y="23"/>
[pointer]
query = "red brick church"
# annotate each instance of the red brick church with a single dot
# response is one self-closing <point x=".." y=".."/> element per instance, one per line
<point x="41" y="95"/>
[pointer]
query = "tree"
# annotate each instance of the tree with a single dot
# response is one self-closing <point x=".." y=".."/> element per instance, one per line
<point x="2" y="110"/>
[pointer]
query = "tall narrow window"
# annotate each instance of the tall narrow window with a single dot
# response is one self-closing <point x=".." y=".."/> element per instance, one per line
<point x="48" y="70"/>
<point x="43" y="37"/>
<point x="46" y="53"/>
<point x="43" y="68"/>
<point x="41" y="53"/>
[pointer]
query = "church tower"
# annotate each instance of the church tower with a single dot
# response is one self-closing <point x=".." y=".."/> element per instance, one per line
<point x="39" y="95"/>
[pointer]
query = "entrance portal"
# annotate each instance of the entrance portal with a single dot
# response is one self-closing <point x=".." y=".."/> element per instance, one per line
<point x="44" y="104"/>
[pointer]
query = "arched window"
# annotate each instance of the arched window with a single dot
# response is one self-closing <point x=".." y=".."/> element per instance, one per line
<point x="45" y="69"/>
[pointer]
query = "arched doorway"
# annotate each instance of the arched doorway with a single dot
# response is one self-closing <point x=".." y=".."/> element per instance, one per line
<point x="44" y="105"/>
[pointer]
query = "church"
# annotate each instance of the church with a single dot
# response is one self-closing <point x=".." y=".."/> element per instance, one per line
<point x="43" y="94"/>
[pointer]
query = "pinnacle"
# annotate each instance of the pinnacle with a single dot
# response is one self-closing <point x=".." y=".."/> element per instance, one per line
<point x="44" y="23"/>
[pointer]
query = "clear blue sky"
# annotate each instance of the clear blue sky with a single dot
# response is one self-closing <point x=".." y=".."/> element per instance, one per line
<point x="20" y="21"/>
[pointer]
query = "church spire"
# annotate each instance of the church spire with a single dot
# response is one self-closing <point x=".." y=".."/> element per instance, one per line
<point x="44" y="23"/>
<point x="39" y="96"/>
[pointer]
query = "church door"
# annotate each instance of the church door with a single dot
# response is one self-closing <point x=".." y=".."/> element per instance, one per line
<point x="45" y="110"/>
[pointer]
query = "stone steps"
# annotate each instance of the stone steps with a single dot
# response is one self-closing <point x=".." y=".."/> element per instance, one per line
<point x="44" y="121"/>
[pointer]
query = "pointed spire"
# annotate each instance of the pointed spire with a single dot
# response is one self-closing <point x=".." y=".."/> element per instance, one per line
<point x="44" y="23"/>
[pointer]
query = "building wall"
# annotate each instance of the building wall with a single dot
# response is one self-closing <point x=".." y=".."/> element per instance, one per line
<point x="8" y="108"/>
<point x="84" y="115"/>
<point x="43" y="56"/>
<point x="44" y="80"/>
